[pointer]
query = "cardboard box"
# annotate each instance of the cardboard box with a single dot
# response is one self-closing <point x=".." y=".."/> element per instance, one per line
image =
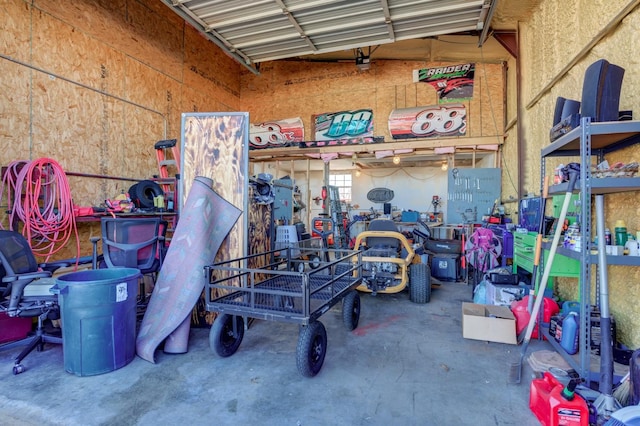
<point x="488" y="322"/>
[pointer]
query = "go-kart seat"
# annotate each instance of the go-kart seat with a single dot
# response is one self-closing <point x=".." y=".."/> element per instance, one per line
<point x="383" y="242"/>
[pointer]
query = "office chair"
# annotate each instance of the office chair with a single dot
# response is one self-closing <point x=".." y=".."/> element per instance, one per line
<point x="133" y="243"/>
<point x="24" y="291"/>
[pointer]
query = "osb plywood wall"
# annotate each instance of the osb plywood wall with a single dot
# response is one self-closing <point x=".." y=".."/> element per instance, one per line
<point x="576" y="34"/>
<point x="94" y="84"/>
<point x="302" y="89"/>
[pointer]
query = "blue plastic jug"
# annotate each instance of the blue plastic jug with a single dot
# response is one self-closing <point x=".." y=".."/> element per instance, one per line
<point x="570" y="306"/>
<point x="569" y="339"/>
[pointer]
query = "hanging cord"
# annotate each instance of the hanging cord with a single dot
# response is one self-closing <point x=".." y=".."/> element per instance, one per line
<point x="43" y="203"/>
<point x="9" y="184"/>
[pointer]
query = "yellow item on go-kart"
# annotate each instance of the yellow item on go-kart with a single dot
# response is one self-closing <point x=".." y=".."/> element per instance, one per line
<point x="390" y="263"/>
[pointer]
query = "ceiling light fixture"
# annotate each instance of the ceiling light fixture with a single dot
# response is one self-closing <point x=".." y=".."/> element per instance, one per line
<point x="444" y="166"/>
<point x="396" y="159"/>
<point x="358" y="173"/>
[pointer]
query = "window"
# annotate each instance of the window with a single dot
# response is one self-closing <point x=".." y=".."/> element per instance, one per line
<point x="343" y="183"/>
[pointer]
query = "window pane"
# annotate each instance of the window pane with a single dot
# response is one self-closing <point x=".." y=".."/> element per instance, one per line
<point x="343" y="183"/>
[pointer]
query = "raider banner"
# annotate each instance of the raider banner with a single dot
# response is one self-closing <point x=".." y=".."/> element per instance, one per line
<point x="453" y="83"/>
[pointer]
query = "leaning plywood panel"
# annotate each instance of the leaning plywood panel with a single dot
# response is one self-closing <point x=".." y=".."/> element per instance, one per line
<point x="215" y="146"/>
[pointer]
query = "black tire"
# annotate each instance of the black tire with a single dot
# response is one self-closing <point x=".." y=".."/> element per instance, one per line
<point x="419" y="283"/>
<point x="143" y="193"/>
<point x="314" y="261"/>
<point x="312" y="348"/>
<point x="297" y="266"/>
<point x="351" y="310"/>
<point x="223" y="339"/>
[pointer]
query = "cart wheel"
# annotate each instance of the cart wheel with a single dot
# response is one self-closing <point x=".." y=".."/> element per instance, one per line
<point x="312" y="347"/>
<point x="297" y="267"/>
<point x="17" y="369"/>
<point x="351" y="310"/>
<point x="314" y="261"/>
<point x="419" y="283"/>
<point x="226" y="334"/>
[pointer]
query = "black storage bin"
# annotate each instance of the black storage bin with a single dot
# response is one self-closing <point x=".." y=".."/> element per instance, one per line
<point x="445" y="267"/>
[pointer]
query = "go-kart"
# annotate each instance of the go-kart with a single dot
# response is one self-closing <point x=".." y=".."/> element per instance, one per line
<point x="390" y="263"/>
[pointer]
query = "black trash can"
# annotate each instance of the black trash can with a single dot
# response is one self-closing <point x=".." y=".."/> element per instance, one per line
<point x="98" y="314"/>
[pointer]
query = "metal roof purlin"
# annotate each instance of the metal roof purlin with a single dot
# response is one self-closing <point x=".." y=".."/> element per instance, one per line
<point x="296" y="25"/>
<point x="387" y="19"/>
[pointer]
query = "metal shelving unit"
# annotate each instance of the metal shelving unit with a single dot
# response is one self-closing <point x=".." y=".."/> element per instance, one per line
<point x="590" y="140"/>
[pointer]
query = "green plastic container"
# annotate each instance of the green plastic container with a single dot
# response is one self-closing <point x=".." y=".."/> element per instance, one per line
<point x="98" y="313"/>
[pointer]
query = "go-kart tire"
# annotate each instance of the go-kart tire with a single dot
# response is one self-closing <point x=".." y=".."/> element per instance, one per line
<point x="143" y="193"/>
<point x="351" y="310"/>
<point x="223" y="339"/>
<point x="311" y="349"/>
<point x="419" y="283"/>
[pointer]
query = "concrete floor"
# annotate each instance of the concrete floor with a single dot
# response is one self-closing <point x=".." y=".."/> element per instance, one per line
<point x="406" y="364"/>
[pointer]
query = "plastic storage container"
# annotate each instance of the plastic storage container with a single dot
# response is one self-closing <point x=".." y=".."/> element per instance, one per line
<point x="621" y="233"/>
<point x="445" y="267"/>
<point x="14" y="328"/>
<point x="98" y="313"/>
<point x="596" y="332"/>
<point x="569" y="338"/>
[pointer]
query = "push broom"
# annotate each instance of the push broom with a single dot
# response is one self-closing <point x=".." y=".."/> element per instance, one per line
<point x="515" y="369"/>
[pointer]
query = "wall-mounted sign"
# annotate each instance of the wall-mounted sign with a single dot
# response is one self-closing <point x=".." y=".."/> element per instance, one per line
<point x="428" y="121"/>
<point x="380" y="195"/>
<point x="276" y="134"/>
<point x="343" y="128"/>
<point x="343" y="125"/>
<point x="453" y="83"/>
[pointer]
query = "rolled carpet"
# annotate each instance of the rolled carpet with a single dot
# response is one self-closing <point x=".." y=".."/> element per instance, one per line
<point x="205" y="221"/>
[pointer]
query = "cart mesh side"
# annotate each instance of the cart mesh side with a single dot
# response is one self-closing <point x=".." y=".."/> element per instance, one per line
<point x="276" y="293"/>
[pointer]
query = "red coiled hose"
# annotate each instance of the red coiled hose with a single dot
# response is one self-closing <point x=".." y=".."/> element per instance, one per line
<point x="42" y="202"/>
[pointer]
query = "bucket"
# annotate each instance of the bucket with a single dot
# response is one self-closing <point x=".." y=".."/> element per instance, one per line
<point x="98" y="314"/>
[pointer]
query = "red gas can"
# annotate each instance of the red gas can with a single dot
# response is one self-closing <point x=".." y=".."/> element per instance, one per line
<point x="555" y="405"/>
<point x="519" y="309"/>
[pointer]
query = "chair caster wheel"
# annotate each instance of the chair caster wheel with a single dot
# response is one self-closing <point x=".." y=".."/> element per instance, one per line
<point x="17" y="369"/>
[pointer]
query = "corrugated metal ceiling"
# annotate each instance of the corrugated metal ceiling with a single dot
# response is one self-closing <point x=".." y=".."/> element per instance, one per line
<point x="254" y="31"/>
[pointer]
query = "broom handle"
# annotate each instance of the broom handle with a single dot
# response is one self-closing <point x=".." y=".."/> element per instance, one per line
<point x="552" y="254"/>
<point x="538" y="248"/>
